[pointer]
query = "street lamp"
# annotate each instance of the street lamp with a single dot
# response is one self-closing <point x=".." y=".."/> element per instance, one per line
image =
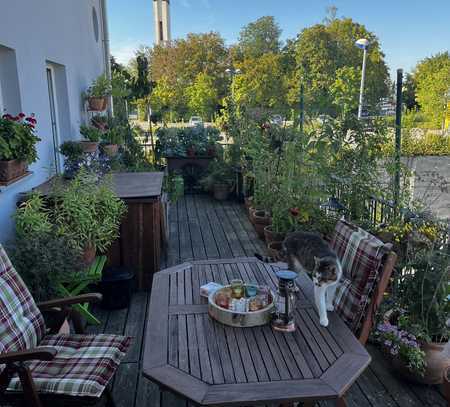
<point x="363" y="44"/>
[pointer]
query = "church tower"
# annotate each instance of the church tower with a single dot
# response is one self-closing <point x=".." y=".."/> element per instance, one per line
<point x="161" y="11"/>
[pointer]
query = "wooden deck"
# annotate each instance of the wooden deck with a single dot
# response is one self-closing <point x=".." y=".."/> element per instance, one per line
<point x="201" y="228"/>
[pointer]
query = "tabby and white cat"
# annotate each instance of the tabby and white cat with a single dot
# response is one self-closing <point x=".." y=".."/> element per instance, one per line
<point x="310" y="253"/>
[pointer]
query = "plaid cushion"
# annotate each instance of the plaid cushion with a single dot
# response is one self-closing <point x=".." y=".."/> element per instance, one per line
<point x="21" y="323"/>
<point x="82" y="367"/>
<point x="361" y="255"/>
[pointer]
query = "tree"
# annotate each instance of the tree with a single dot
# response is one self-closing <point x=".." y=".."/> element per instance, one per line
<point x="181" y="61"/>
<point x="345" y="90"/>
<point x="432" y="76"/>
<point x="261" y="83"/>
<point x="167" y="98"/>
<point x="260" y="37"/>
<point x="202" y="96"/>
<point x="325" y="48"/>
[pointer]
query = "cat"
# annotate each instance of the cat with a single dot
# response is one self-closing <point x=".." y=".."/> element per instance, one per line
<point x="308" y="252"/>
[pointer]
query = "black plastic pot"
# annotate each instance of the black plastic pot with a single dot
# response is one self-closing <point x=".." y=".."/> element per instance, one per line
<point x="116" y="287"/>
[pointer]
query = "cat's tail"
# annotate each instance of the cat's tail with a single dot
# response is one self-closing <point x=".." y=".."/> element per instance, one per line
<point x="265" y="259"/>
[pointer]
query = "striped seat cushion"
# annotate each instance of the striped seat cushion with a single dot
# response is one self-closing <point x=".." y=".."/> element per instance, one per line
<point x="21" y="323"/>
<point x="83" y="366"/>
<point x="361" y="255"/>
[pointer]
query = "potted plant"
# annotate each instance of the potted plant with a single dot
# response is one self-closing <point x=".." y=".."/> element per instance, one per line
<point x="112" y="138"/>
<point x="17" y="145"/>
<point x="220" y="179"/>
<point x="73" y="152"/>
<point x="420" y="314"/>
<point x="97" y="94"/>
<point x="92" y="136"/>
<point x="88" y="212"/>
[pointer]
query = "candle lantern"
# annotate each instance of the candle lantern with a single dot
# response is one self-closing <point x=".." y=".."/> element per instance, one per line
<point x="285" y="302"/>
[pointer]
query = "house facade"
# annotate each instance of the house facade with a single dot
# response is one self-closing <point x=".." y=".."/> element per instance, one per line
<point x="50" y="52"/>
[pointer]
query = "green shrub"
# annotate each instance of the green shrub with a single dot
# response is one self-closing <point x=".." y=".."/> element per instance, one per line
<point x="417" y="143"/>
<point x="43" y="260"/>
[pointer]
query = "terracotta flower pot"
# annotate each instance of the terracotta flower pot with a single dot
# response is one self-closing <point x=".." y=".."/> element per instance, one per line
<point x="12" y="169"/>
<point x="261" y="220"/>
<point x="111" y="150"/>
<point x="89" y="147"/>
<point x="88" y="255"/>
<point x="274" y="249"/>
<point x="436" y="365"/>
<point x="221" y="192"/>
<point x="97" y="104"/>
<point x="272" y="236"/>
<point x="248" y="201"/>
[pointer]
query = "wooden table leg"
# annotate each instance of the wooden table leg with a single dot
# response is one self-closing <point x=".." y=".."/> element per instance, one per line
<point x="340" y="402"/>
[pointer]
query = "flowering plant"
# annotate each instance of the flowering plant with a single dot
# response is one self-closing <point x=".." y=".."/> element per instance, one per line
<point x="401" y="344"/>
<point x="17" y="138"/>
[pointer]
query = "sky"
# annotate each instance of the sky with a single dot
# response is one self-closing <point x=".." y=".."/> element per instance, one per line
<point x="408" y="30"/>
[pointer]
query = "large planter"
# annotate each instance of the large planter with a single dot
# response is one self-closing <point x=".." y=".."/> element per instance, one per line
<point x="111" y="150"/>
<point x="261" y="219"/>
<point x="88" y="255"/>
<point x="272" y="236"/>
<point x="89" y="147"/>
<point x="12" y="169"/>
<point x="436" y="365"/>
<point x="221" y="192"/>
<point x="97" y="104"/>
<point x="192" y="169"/>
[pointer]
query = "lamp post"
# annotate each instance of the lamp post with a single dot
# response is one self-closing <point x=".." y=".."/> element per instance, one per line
<point x="363" y="44"/>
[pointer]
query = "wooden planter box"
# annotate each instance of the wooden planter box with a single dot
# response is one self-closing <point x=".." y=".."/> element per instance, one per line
<point x="192" y="169"/>
<point x="12" y="170"/>
<point x="139" y="246"/>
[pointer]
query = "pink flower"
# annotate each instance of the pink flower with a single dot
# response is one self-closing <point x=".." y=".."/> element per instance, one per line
<point x="21" y="115"/>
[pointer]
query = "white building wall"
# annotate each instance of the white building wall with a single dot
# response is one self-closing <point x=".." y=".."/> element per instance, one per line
<point x="60" y="32"/>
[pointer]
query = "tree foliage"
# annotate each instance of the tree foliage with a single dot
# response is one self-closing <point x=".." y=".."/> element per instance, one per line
<point x="202" y="96"/>
<point x="260" y="37"/>
<point x="432" y="78"/>
<point x="325" y="48"/>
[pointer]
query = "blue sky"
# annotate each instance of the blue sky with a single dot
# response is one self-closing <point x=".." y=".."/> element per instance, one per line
<point x="409" y="30"/>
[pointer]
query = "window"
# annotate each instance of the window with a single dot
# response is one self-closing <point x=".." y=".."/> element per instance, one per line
<point x="9" y="82"/>
<point x="95" y="23"/>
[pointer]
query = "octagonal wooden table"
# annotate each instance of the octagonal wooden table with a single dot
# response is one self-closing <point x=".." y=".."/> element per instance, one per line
<point x="211" y="364"/>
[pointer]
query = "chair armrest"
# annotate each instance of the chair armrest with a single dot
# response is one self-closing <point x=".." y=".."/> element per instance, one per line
<point x="28" y="354"/>
<point x="78" y="299"/>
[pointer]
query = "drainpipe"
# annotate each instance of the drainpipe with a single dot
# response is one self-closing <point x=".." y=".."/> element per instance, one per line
<point x="106" y="51"/>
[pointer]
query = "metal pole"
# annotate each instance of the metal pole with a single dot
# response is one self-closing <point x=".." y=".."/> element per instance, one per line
<point x="302" y="106"/>
<point x="398" y="135"/>
<point x="361" y="90"/>
<point x="107" y="53"/>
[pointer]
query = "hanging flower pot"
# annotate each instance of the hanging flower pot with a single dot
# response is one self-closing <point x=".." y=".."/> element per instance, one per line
<point x="89" y="147"/>
<point x="97" y="104"/>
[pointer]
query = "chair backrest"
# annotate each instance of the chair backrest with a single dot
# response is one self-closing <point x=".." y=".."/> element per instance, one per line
<point x="21" y="323"/>
<point x="367" y="264"/>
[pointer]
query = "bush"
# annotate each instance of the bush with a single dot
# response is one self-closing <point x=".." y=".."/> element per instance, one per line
<point x="43" y="260"/>
<point x="416" y="142"/>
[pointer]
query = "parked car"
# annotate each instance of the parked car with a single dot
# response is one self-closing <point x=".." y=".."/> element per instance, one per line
<point x="196" y="121"/>
<point x="277" y="120"/>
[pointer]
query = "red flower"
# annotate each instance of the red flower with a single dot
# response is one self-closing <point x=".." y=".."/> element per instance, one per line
<point x="21" y="115"/>
<point x="7" y="116"/>
<point x="31" y="120"/>
<point x="294" y="211"/>
<point x="265" y="126"/>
